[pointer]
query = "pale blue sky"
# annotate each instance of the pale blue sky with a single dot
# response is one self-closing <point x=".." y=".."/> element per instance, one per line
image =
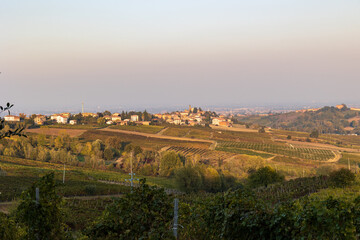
<point x="204" y="52"/>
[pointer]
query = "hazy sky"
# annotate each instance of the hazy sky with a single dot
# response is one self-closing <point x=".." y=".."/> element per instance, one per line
<point x="203" y="52"/>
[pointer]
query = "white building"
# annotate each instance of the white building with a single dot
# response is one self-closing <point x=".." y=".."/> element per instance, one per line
<point x="59" y="118"/>
<point x="73" y="122"/>
<point x="134" y="118"/>
<point x="217" y="121"/>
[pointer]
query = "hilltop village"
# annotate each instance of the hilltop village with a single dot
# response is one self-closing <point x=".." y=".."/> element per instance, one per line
<point x="192" y="116"/>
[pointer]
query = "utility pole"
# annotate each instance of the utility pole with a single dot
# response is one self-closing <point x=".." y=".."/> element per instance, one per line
<point x="348" y="163"/>
<point x="131" y="179"/>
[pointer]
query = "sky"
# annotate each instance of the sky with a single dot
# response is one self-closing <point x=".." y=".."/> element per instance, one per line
<point x="126" y="54"/>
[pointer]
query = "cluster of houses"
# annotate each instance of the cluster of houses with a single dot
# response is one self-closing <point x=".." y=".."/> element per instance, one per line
<point x="64" y="118"/>
<point x="191" y="117"/>
<point x="115" y="118"/>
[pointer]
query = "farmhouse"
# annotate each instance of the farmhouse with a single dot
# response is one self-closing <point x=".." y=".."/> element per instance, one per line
<point x="59" y="118"/>
<point x="116" y="117"/>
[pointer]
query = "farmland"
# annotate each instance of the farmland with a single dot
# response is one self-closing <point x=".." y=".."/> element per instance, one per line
<point x="21" y="173"/>
<point x="305" y="153"/>
<point x="142" y="128"/>
<point x="72" y="132"/>
<point x="203" y="153"/>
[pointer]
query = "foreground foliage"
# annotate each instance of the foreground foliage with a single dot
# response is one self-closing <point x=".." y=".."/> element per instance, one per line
<point x="144" y="214"/>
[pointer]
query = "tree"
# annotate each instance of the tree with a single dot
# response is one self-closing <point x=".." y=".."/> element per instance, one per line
<point x="9" y="132"/>
<point x="211" y="179"/>
<point x="59" y="142"/>
<point x="109" y="154"/>
<point x="168" y="163"/>
<point x="188" y="179"/>
<point x="262" y="130"/>
<point x="264" y="176"/>
<point x="314" y="134"/>
<point x="106" y="113"/>
<point x="101" y="121"/>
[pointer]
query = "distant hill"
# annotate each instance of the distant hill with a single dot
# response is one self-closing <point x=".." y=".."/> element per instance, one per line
<point x="338" y="120"/>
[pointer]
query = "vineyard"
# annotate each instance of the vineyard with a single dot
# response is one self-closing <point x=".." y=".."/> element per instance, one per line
<point x="304" y="153"/>
<point x="292" y="189"/>
<point x="204" y="153"/>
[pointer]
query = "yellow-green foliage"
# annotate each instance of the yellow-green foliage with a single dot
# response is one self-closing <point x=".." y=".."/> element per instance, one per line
<point x="241" y="164"/>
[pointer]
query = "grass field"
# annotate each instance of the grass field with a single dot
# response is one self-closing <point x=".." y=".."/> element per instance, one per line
<point x="141" y="128"/>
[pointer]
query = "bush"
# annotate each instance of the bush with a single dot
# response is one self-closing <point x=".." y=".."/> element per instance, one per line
<point x="342" y="177"/>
